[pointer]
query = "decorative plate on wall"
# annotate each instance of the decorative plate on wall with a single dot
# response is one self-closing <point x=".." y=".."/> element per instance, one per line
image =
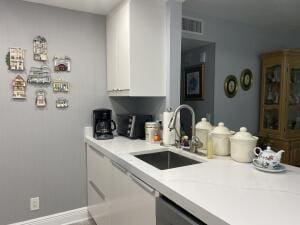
<point x="231" y="86"/>
<point x="246" y="79"/>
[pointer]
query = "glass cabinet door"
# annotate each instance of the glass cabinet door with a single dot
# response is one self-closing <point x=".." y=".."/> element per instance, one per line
<point x="271" y="98"/>
<point x="293" y="98"/>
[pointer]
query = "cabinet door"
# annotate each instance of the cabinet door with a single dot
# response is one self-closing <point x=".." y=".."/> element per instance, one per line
<point x="292" y="103"/>
<point x="132" y="201"/>
<point x="141" y="203"/>
<point x="98" y="170"/>
<point x="123" y="56"/>
<point x="295" y="154"/>
<point x="119" y="200"/>
<point x="111" y="39"/>
<point x="98" y="206"/>
<point x="272" y="85"/>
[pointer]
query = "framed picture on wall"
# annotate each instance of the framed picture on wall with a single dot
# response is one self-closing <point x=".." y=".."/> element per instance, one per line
<point x="194" y="82"/>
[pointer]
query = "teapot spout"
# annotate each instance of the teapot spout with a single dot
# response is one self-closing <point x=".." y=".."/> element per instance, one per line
<point x="279" y="154"/>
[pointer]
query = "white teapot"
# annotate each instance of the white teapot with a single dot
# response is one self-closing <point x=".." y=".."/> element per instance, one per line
<point x="267" y="158"/>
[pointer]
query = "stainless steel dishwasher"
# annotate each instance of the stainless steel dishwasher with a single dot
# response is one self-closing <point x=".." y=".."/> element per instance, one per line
<point x="168" y="213"/>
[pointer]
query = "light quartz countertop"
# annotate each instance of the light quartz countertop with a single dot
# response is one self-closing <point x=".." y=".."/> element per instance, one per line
<point x="217" y="191"/>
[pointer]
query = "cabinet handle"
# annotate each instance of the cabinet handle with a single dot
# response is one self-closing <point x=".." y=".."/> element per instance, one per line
<point x="118" y="166"/>
<point x="97" y="151"/>
<point x="145" y="186"/>
<point x="97" y="190"/>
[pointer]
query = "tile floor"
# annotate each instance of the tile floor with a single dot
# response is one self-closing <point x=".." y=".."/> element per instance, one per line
<point x="87" y="222"/>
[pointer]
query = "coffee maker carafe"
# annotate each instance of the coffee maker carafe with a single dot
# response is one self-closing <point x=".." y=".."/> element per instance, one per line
<point x="103" y="125"/>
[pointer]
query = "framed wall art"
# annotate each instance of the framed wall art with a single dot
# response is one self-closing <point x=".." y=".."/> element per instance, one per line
<point x="40" y="100"/>
<point x="39" y="75"/>
<point x="19" y="88"/>
<point x="40" y="49"/>
<point x="15" y="59"/>
<point x="246" y="79"/>
<point x="62" y="64"/>
<point x="62" y="103"/>
<point x="231" y="86"/>
<point x="194" y="82"/>
<point x="61" y="86"/>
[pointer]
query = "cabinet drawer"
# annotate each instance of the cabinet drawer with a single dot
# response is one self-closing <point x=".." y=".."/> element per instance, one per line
<point x="98" y="169"/>
<point x="97" y="205"/>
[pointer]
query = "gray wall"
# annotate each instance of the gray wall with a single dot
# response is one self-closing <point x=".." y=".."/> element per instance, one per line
<point x="42" y="151"/>
<point x="191" y="58"/>
<point x="204" y="107"/>
<point x="238" y="47"/>
<point x="142" y="105"/>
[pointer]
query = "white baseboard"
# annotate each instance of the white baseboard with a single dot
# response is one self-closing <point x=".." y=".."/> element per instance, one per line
<point x="63" y="218"/>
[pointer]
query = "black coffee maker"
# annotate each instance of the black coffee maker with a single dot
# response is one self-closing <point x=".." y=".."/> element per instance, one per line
<point x="103" y="125"/>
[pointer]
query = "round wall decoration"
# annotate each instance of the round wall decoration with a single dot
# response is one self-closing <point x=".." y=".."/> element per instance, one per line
<point x="246" y="79"/>
<point x="230" y="86"/>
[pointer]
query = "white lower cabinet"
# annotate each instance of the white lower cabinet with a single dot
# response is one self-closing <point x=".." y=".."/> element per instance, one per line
<point x="142" y="203"/>
<point x="97" y="205"/>
<point x="127" y="200"/>
<point x="119" y="202"/>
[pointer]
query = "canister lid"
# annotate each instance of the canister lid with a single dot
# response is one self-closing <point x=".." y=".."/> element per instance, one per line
<point x="221" y="129"/>
<point x="243" y="134"/>
<point x="151" y="124"/>
<point x="204" y="125"/>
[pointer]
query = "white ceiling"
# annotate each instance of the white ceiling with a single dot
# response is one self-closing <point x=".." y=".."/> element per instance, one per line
<point x="101" y="7"/>
<point x="280" y="14"/>
<point x="266" y="13"/>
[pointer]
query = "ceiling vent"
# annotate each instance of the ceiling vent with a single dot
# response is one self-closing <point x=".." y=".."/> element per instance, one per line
<point x="192" y="25"/>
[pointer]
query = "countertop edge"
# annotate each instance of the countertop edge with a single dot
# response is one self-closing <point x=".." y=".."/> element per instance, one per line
<point x="194" y="209"/>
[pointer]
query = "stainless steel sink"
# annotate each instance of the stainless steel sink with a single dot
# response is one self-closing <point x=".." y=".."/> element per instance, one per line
<point x="166" y="160"/>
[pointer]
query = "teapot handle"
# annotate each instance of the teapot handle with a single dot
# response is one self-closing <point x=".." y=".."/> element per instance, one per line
<point x="255" y="151"/>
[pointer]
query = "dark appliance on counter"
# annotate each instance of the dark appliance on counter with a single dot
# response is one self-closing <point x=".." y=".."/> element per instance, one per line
<point x="103" y="125"/>
<point x="132" y="126"/>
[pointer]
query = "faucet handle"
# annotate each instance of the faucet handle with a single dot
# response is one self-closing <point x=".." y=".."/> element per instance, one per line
<point x="195" y="143"/>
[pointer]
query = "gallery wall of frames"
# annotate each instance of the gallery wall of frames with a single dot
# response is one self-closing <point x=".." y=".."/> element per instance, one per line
<point x="39" y="77"/>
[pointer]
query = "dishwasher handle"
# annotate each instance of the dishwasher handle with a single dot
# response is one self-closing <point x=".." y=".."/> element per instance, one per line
<point x="143" y="185"/>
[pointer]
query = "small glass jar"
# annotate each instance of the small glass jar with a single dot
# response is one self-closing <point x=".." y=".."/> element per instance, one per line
<point x="151" y="129"/>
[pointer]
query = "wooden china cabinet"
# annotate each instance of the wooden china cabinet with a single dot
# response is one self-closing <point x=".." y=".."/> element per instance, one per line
<point x="280" y="102"/>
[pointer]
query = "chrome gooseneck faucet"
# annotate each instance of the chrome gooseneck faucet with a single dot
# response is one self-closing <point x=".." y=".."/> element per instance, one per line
<point x="195" y="142"/>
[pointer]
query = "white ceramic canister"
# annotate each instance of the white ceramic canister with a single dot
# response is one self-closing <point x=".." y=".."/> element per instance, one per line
<point x="220" y="139"/>
<point x="151" y="128"/>
<point x="202" y="130"/>
<point x="242" y="145"/>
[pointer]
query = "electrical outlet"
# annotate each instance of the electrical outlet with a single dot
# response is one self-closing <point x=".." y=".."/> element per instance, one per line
<point x="34" y="204"/>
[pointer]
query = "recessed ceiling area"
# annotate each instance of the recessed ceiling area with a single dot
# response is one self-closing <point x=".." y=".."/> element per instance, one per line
<point x="187" y="44"/>
<point x="280" y="14"/>
<point x="101" y="7"/>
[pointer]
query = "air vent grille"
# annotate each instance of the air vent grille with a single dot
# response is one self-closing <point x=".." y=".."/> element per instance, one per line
<point x="192" y="25"/>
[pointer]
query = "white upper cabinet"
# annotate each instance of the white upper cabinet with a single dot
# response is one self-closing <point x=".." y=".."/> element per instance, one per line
<point x="136" y="32"/>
